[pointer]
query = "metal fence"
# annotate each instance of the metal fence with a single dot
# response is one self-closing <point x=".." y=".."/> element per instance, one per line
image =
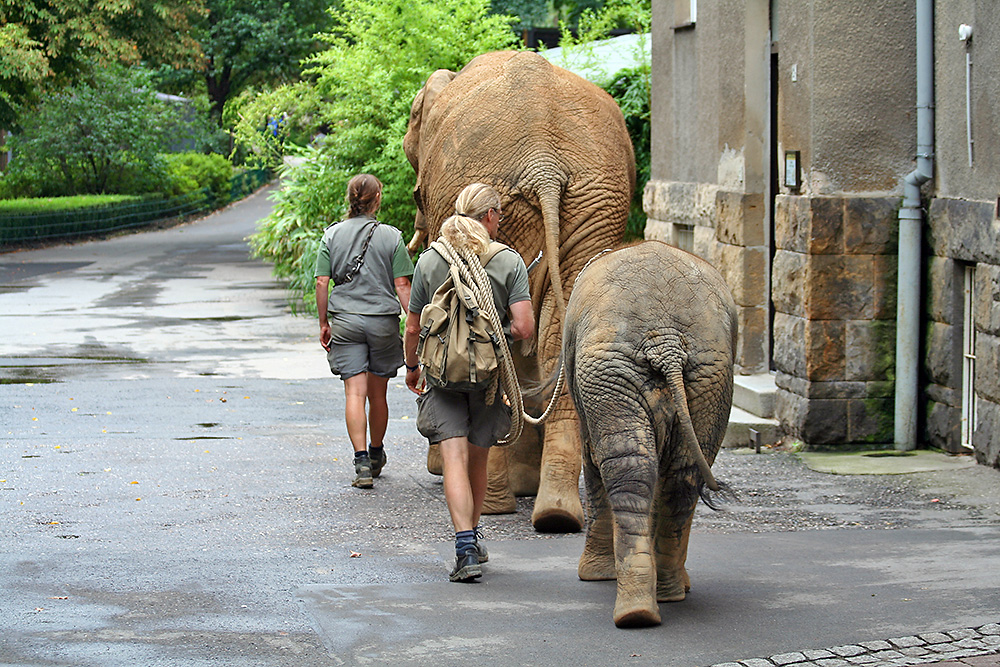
<point x="25" y="228"/>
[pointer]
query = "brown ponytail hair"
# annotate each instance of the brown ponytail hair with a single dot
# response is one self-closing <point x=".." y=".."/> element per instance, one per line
<point x="363" y="195"/>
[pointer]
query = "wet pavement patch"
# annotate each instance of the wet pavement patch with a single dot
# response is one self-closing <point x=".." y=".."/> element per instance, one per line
<point x="11" y="272"/>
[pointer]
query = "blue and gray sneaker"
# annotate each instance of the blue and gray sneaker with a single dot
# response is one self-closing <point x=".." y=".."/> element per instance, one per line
<point x="466" y="567"/>
<point x="484" y="555"/>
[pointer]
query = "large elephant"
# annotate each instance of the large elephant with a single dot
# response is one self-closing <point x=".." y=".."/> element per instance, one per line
<point x="556" y="148"/>
<point x="648" y="343"/>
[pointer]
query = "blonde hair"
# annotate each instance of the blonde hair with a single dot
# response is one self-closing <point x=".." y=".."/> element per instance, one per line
<point x="476" y="200"/>
<point x="464" y="233"/>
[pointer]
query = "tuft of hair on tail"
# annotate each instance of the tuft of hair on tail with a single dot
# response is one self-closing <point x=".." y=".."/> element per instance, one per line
<point x="716" y="499"/>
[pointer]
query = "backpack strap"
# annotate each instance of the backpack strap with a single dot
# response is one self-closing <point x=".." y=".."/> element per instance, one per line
<point x="492" y="251"/>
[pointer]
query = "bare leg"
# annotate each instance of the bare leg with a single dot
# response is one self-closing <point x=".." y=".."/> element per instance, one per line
<point x="464" y="481"/>
<point x="378" y="408"/>
<point x="356" y="390"/>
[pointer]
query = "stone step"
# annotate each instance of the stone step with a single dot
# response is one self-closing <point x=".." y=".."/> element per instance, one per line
<point x="741" y="422"/>
<point x="755" y="394"/>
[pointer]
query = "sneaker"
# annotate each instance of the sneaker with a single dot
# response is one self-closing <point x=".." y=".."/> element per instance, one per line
<point x="363" y="472"/>
<point x="378" y="463"/>
<point x="484" y="555"/>
<point x="466" y="567"/>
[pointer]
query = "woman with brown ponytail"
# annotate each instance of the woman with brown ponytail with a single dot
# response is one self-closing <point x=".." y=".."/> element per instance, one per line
<point x="359" y="313"/>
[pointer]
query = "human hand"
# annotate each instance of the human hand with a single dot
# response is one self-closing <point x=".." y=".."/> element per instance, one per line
<point x="415" y="381"/>
<point x="324" y="336"/>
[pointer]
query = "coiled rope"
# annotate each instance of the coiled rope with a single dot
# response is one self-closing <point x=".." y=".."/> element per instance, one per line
<point x="471" y="269"/>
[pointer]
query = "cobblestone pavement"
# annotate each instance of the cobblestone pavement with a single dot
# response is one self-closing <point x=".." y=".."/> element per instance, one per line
<point x="971" y="647"/>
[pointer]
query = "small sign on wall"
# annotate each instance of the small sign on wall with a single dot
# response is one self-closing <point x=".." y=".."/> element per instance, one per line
<point x="793" y="171"/>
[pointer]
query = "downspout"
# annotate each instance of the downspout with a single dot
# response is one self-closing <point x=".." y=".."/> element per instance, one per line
<point x="910" y="220"/>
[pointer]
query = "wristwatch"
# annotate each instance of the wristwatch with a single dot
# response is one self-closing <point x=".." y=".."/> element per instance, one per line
<point x="411" y="368"/>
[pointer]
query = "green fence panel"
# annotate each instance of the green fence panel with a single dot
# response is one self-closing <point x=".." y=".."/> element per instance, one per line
<point x="23" y="228"/>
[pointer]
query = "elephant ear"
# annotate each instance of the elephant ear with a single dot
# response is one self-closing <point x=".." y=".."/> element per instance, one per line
<point x="422" y="104"/>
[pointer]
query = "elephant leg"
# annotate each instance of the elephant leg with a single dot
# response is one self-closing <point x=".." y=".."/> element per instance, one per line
<point x="598" y="560"/>
<point x="435" y="464"/>
<point x="525" y="461"/>
<point x="557" y="506"/>
<point x="499" y="498"/>
<point x="631" y="483"/>
<point x="673" y="517"/>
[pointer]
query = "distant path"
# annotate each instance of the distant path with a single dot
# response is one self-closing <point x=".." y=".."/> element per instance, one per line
<point x="183" y="301"/>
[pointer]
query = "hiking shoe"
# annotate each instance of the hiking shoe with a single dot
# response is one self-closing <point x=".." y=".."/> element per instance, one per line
<point x="466" y="567"/>
<point x="377" y="462"/>
<point x="362" y="472"/>
<point x="484" y="555"/>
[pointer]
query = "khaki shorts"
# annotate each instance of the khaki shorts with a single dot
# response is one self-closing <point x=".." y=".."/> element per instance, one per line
<point x="443" y="414"/>
<point x="364" y="343"/>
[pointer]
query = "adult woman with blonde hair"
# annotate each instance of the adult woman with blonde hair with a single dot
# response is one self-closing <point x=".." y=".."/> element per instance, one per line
<point x="370" y="270"/>
<point x="467" y="424"/>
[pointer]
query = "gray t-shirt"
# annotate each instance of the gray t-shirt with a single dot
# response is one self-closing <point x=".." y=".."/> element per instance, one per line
<point x="506" y="271"/>
<point x="372" y="292"/>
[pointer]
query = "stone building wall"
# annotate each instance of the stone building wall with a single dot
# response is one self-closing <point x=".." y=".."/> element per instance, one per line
<point x="834" y="285"/>
<point x="963" y="233"/>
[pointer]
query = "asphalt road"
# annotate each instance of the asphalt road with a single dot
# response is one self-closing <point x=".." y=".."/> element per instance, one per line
<point x="175" y="490"/>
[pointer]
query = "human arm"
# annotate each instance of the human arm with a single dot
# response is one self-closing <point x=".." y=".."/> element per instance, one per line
<point x="411" y="336"/>
<point x="402" y="285"/>
<point x="322" y="298"/>
<point x="402" y="271"/>
<point x="522" y="320"/>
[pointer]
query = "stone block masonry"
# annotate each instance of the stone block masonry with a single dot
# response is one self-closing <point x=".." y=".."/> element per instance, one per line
<point x="833" y="285"/>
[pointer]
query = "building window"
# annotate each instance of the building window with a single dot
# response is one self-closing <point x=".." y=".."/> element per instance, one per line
<point x="969" y="358"/>
<point x="684" y="237"/>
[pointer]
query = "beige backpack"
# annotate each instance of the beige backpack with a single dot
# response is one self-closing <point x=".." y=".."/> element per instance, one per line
<point x="458" y="345"/>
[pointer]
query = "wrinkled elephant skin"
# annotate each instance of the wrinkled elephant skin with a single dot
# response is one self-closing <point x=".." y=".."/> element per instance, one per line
<point x="649" y="343"/>
<point x="556" y="148"/>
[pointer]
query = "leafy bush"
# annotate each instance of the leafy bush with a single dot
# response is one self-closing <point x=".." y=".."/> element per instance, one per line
<point x="194" y="171"/>
<point x="102" y="135"/>
<point x="630" y="89"/>
<point x="380" y="53"/>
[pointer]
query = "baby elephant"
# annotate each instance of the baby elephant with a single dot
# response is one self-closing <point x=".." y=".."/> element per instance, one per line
<point x="648" y="343"/>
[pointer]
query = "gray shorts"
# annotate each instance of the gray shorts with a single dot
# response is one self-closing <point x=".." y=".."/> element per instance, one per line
<point x="443" y="414"/>
<point x="360" y="343"/>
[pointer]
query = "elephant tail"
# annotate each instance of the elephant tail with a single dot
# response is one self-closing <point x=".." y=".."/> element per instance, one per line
<point x="549" y="198"/>
<point x="675" y="380"/>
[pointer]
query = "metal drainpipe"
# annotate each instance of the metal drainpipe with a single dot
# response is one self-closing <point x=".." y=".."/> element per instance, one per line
<point x="910" y="220"/>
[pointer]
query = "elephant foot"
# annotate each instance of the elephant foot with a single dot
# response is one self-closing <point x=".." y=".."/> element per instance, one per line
<point x="596" y="568"/>
<point x="672" y="588"/>
<point x="435" y="464"/>
<point x="556" y="520"/>
<point x="555" y="513"/>
<point x="499" y="498"/>
<point x="500" y="505"/>
<point x="637" y="615"/>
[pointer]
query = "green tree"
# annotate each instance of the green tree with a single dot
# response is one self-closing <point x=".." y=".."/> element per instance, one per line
<point x="254" y="42"/>
<point x="379" y="54"/>
<point x="630" y="87"/>
<point x="47" y="43"/>
<point x="100" y="136"/>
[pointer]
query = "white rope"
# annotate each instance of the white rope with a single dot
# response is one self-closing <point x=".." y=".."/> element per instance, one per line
<point x="471" y="269"/>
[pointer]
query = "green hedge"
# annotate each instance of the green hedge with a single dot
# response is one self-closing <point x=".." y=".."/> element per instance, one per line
<point x="28" y="227"/>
